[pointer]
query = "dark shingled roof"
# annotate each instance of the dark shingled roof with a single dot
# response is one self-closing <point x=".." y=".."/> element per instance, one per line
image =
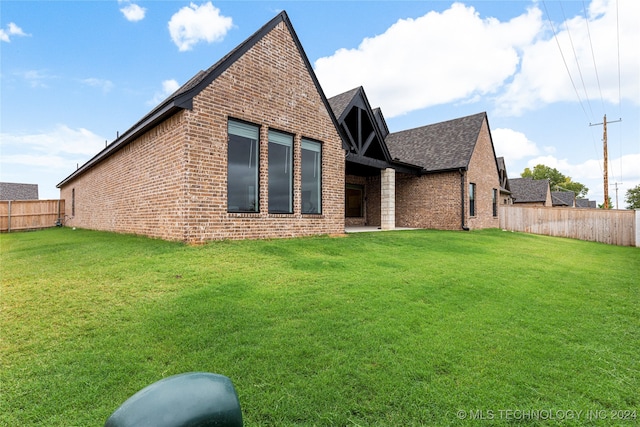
<point x="340" y="102"/>
<point x="586" y="203"/>
<point x="18" y="191"/>
<point x="563" y="198"/>
<point x="440" y="146"/>
<point x="526" y="190"/>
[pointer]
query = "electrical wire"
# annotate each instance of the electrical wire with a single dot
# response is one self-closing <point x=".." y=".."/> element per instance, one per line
<point x="555" y="35"/>
<point x="593" y="56"/>
<point x="575" y="56"/>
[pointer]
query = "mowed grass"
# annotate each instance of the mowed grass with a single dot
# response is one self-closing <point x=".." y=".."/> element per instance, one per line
<point x="405" y="328"/>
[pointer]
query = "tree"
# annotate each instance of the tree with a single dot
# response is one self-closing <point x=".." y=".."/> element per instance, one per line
<point x="632" y="197"/>
<point x="557" y="180"/>
<point x="601" y="205"/>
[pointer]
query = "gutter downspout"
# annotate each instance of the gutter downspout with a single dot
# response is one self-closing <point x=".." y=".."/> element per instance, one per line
<point x="462" y="210"/>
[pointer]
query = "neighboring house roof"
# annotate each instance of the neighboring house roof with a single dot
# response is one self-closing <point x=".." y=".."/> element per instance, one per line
<point x="440" y="146"/>
<point x="563" y="198"/>
<point x="586" y="203"/>
<point x="527" y="190"/>
<point x="17" y="191"/>
<point x="182" y="98"/>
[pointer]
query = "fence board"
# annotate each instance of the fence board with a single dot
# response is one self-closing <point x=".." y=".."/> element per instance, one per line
<point x="615" y="227"/>
<point x="18" y="215"/>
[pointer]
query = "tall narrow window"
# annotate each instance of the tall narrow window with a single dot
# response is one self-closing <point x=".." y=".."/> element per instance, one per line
<point x="472" y="199"/>
<point x="280" y="172"/>
<point x="311" y="177"/>
<point x="73" y="202"/>
<point x="242" y="167"/>
<point x="354" y="202"/>
<point x="495" y="202"/>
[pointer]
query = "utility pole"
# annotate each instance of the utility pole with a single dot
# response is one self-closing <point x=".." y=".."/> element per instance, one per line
<point x="606" y="159"/>
<point x="616" y="185"/>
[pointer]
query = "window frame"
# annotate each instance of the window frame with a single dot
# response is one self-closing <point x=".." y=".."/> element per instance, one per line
<point x="359" y="188"/>
<point x="495" y="202"/>
<point x="472" y="199"/>
<point x="253" y="156"/>
<point x="271" y="144"/>
<point x="318" y="182"/>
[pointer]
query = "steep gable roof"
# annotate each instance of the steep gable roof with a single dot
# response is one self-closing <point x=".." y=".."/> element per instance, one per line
<point x="527" y="190"/>
<point x="363" y="137"/>
<point x="182" y="98"/>
<point x="440" y="146"/>
<point x="502" y="173"/>
<point x="339" y="103"/>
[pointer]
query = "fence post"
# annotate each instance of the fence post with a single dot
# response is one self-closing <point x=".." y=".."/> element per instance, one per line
<point x="9" y="217"/>
<point x="637" y="228"/>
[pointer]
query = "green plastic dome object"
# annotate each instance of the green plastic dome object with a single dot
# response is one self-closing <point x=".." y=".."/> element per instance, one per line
<point x="194" y="399"/>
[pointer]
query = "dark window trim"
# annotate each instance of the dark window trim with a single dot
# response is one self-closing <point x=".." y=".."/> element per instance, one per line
<point x="361" y="188"/>
<point x="472" y="199"/>
<point x="293" y="168"/>
<point x="246" y="122"/>
<point x="320" y="210"/>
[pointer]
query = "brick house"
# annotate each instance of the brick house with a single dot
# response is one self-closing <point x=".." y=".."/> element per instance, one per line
<point x="251" y="148"/>
<point x="458" y="184"/>
<point x="246" y="149"/>
<point x="530" y="192"/>
<point x="370" y="190"/>
<point x="443" y="175"/>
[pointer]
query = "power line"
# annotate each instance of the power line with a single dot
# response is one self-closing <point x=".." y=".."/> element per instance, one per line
<point x="584" y="87"/>
<point x="593" y="56"/>
<point x="555" y="35"/>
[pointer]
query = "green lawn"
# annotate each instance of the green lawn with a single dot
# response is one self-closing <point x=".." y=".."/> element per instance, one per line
<point x="403" y="328"/>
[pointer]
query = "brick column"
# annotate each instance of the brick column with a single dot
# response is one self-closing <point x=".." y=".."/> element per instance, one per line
<point x="388" y="199"/>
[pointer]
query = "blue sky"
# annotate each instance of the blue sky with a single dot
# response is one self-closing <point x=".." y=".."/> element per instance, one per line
<point x="74" y="73"/>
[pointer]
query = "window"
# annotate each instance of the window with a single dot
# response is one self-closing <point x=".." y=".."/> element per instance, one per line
<point x="472" y="199"/>
<point x="73" y="202"/>
<point x="354" y="201"/>
<point x="242" y="167"/>
<point x="311" y="177"/>
<point x="495" y="202"/>
<point x="280" y="172"/>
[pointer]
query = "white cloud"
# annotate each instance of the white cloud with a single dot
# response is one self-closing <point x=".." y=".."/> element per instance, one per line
<point x="168" y="87"/>
<point x="12" y="30"/>
<point x="435" y="59"/>
<point x="133" y="12"/>
<point x="193" y="24"/>
<point x="543" y="77"/>
<point x="62" y="140"/>
<point x="105" y="85"/>
<point x="459" y="56"/>
<point x="46" y="157"/>
<point x="512" y="145"/>
<point x="36" y="78"/>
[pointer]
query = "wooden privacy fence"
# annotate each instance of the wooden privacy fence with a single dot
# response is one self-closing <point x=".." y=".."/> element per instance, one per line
<point x="615" y="227"/>
<point x="29" y="214"/>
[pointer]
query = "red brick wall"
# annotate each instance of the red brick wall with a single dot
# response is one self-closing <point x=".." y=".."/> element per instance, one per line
<point x="428" y="201"/>
<point x="171" y="182"/>
<point x="139" y="189"/>
<point x="434" y="200"/>
<point x="483" y="171"/>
